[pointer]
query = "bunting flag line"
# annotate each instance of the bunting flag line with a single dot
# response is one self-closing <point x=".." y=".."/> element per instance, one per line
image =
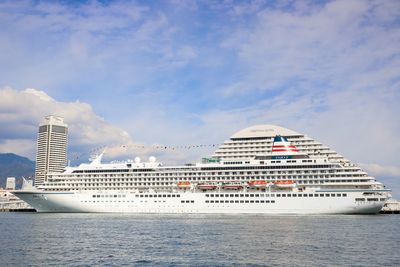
<point x="76" y="156"/>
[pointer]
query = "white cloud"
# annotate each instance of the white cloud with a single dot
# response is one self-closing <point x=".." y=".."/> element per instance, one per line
<point x="381" y="170"/>
<point x="331" y="46"/>
<point x="22" y="111"/>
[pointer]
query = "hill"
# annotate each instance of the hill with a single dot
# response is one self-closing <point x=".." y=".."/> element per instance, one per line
<point x="16" y="166"/>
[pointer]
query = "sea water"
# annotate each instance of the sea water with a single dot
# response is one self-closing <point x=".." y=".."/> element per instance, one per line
<point x="59" y="239"/>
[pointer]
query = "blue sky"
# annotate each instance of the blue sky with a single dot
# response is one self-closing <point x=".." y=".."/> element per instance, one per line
<point x="194" y="72"/>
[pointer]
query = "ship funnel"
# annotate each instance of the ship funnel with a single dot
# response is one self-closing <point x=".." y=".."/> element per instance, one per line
<point x="282" y="146"/>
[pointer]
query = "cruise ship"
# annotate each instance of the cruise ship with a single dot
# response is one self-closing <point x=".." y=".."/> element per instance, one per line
<point x="263" y="169"/>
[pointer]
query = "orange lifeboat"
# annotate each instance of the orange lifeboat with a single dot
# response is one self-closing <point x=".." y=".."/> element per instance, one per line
<point x="232" y="186"/>
<point x="183" y="184"/>
<point x="258" y="183"/>
<point x="207" y="186"/>
<point x="285" y="184"/>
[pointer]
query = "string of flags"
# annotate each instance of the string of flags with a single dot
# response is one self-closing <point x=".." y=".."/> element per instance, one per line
<point x="97" y="150"/>
<point x="169" y="147"/>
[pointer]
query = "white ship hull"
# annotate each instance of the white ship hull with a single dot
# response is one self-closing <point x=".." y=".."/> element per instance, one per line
<point x="201" y="202"/>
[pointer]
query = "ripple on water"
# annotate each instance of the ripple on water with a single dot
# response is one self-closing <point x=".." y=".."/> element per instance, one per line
<point x="198" y="240"/>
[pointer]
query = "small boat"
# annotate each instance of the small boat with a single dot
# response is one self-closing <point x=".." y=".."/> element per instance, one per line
<point x="258" y="183"/>
<point x="207" y="186"/>
<point x="285" y="184"/>
<point x="232" y="186"/>
<point x="184" y="184"/>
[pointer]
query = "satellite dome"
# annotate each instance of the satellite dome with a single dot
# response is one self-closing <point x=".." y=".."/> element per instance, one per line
<point x="137" y="160"/>
<point x="152" y="159"/>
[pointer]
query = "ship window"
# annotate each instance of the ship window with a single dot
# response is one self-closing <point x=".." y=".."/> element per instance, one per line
<point x="339" y="195"/>
<point x="283" y="195"/>
<point x="246" y="201"/>
<point x="207" y="201"/>
<point x="231" y="195"/>
<point x="327" y="195"/>
<point x="168" y="195"/>
<point x="345" y="195"/>
<point x="262" y="201"/>
<point x="212" y="195"/>
<point x="278" y="195"/>
<point x="267" y="201"/>
<point x="211" y="201"/>
<point x="310" y="195"/>
<point x="257" y="201"/>
<point x="289" y="195"/>
<point x="272" y="201"/>
<point x="321" y="195"/>
<point x="236" y="201"/>
<point x="182" y="201"/>
<point x="236" y="195"/>
<point x="246" y="195"/>
<point x="360" y="199"/>
<point x="207" y="195"/>
<point x="191" y="201"/>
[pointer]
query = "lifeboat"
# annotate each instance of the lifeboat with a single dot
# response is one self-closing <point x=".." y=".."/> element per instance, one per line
<point x="258" y="183"/>
<point x="285" y="184"/>
<point x="207" y="186"/>
<point x="230" y="186"/>
<point x="183" y="184"/>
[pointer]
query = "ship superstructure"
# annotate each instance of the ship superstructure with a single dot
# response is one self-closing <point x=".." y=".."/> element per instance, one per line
<point x="261" y="169"/>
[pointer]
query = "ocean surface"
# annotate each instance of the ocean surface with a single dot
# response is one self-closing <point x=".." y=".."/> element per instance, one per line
<point x="32" y="239"/>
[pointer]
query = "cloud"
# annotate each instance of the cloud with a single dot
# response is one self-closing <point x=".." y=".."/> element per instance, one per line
<point x="328" y="46"/>
<point x="381" y="170"/>
<point x="22" y="111"/>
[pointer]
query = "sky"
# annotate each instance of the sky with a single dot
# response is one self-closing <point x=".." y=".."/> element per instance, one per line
<point x="127" y="74"/>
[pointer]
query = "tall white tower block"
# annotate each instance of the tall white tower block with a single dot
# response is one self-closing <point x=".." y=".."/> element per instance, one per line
<point x="52" y="145"/>
<point x="10" y="184"/>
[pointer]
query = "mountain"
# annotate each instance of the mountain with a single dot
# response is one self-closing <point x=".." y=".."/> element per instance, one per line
<point x="16" y="166"/>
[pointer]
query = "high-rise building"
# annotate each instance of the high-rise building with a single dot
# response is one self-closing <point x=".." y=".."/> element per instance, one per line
<point x="52" y="144"/>
<point x="10" y="184"/>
